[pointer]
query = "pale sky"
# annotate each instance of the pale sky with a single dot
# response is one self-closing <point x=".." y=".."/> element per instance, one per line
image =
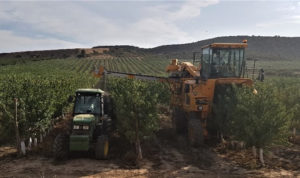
<point x="55" y="24"/>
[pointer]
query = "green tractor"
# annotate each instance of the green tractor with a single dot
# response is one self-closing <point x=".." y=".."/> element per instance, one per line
<point x="91" y="125"/>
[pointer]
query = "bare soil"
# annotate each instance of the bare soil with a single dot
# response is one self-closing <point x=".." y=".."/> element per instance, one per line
<point x="166" y="155"/>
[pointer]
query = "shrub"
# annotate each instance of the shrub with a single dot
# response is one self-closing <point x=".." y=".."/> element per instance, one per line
<point x="41" y="98"/>
<point x="259" y="119"/>
<point x="136" y="108"/>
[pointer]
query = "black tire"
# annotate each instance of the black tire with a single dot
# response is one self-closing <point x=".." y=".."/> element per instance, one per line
<point x="107" y="126"/>
<point x="195" y="130"/>
<point x="179" y="121"/>
<point x="102" y="147"/>
<point x="61" y="147"/>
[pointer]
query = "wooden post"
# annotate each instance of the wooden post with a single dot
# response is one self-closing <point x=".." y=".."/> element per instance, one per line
<point x="18" y="140"/>
<point x="254" y="151"/>
<point x="41" y="137"/>
<point x="29" y="144"/>
<point x="35" y="142"/>
<point x="137" y="142"/>
<point x="253" y="69"/>
<point x="104" y="77"/>
<point x="261" y="156"/>
<point x="23" y="148"/>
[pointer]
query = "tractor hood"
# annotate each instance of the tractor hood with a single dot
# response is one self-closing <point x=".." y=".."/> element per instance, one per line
<point x="84" y="118"/>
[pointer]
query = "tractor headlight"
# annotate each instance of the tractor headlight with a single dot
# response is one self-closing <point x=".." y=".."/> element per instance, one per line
<point x="76" y="127"/>
<point x="255" y="91"/>
<point x="85" y="127"/>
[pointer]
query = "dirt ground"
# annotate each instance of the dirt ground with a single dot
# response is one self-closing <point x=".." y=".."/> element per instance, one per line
<point x="167" y="155"/>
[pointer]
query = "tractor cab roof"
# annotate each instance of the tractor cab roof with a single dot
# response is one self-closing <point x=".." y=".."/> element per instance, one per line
<point x="226" y="45"/>
<point x="89" y="90"/>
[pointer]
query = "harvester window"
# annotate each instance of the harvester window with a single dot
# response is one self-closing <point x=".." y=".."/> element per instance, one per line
<point x="186" y="88"/>
<point x="205" y="54"/>
<point x="187" y="99"/>
<point x="236" y="61"/>
<point x="187" y="96"/>
<point x="224" y="62"/>
<point x="205" y="69"/>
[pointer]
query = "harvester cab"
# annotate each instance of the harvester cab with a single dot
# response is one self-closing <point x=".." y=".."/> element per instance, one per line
<point x="91" y="125"/>
<point x="223" y="60"/>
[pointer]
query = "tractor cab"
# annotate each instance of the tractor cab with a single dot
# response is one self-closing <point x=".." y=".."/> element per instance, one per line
<point x="88" y="111"/>
<point x="91" y="125"/>
<point x="223" y="60"/>
<point x="87" y="118"/>
<point x="89" y="101"/>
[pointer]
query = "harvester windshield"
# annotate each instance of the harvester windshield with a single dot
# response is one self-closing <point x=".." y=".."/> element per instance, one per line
<point x="222" y="60"/>
<point x="87" y="104"/>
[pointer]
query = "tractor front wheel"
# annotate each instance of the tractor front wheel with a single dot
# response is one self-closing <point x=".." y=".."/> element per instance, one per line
<point x="61" y="147"/>
<point x="102" y="147"/>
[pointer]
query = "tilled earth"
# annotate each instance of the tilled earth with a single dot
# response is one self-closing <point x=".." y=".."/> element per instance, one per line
<point x="168" y="155"/>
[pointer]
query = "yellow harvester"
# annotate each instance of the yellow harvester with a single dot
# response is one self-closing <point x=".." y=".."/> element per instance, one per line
<point x="193" y="85"/>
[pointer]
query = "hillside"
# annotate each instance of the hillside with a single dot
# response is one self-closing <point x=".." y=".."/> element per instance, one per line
<point x="263" y="48"/>
<point x="23" y="57"/>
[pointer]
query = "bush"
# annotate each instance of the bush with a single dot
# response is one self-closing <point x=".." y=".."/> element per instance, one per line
<point x="259" y="119"/>
<point x="224" y="104"/>
<point x="288" y="92"/>
<point x="136" y="108"/>
<point x="41" y="98"/>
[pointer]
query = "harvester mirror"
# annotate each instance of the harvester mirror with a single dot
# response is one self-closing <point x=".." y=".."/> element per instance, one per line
<point x="203" y="76"/>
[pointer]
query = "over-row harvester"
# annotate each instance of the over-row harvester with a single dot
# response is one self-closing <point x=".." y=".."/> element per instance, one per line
<point x="194" y="86"/>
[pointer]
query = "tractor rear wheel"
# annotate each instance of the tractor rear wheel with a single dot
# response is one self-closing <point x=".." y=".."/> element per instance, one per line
<point x="195" y="131"/>
<point x="61" y="147"/>
<point x="102" y="147"/>
<point x="179" y="121"/>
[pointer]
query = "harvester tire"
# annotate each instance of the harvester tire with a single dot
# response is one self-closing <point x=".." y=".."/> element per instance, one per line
<point x="102" y="147"/>
<point x="179" y="121"/>
<point x="195" y="132"/>
<point x="61" y="147"/>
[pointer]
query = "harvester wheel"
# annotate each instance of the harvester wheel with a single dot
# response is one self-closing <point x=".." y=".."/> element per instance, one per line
<point x="61" y="147"/>
<point x="195" y="132"/>
<point x="102" y="147"/>
<point x="179" y="121"/>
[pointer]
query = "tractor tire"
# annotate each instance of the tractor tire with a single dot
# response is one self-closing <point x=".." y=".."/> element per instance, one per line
<point x="61" y="147"/>
<point x="179" y="121"/>
<point x="195" y="131"/>
<point x="102" y="147"/>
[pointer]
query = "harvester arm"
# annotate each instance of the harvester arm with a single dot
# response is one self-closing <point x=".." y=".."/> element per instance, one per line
<point x="192" y="70"/>
<point x="102" y="72"/>
<point x="177" y="66"/>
